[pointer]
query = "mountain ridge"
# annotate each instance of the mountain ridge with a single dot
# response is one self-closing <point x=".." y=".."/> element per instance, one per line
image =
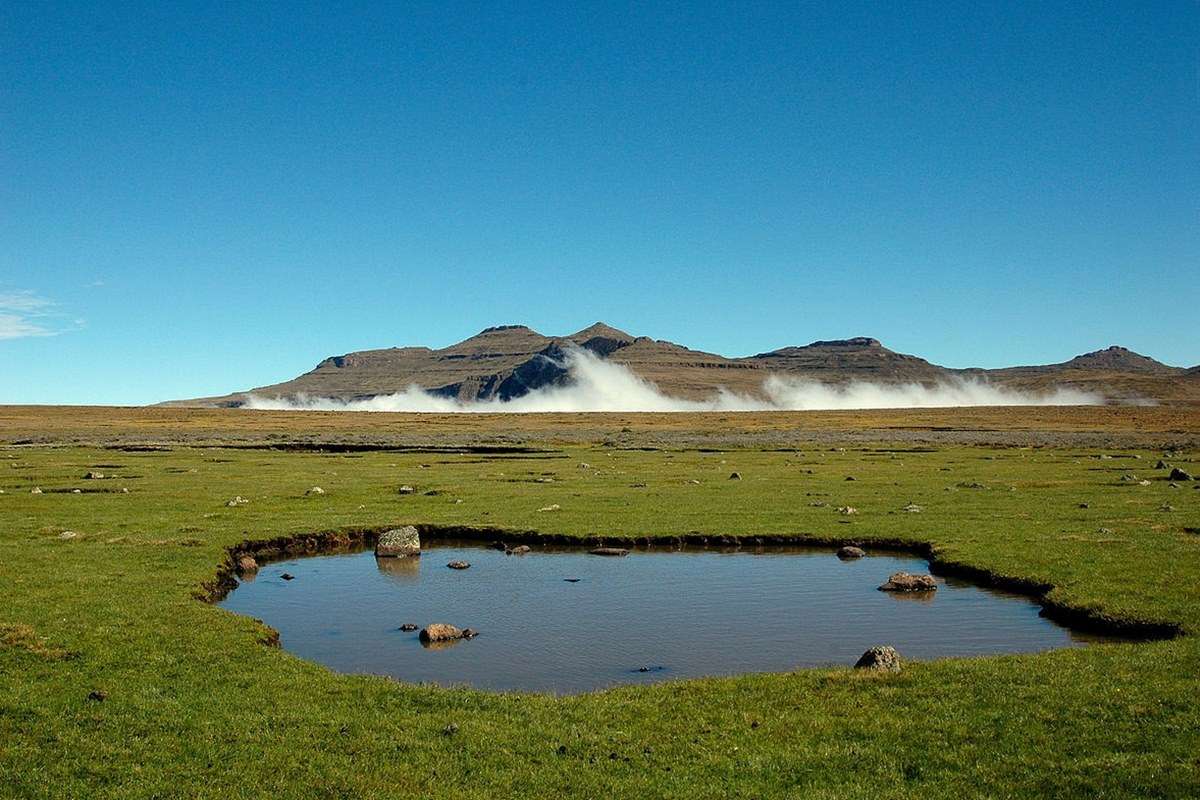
<point x="507" y="361"/>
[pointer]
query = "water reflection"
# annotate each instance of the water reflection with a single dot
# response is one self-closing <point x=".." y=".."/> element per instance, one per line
<point x="912" y="597"/>
<point x="400" y="570"/>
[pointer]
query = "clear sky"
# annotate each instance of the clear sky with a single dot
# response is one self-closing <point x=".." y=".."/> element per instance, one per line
<point x="201" y="198"/>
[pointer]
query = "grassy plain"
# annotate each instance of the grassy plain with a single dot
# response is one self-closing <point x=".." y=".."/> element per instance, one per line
<point x="115" y="681"/>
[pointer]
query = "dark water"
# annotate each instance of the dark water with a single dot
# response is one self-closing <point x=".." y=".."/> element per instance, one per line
<point x="679" y="613"/>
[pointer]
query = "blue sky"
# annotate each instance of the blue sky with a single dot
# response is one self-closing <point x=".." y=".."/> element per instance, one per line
<point x="198" y="199"/>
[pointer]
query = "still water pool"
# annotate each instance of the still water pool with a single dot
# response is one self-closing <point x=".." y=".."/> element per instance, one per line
<point x="559" y="619"/>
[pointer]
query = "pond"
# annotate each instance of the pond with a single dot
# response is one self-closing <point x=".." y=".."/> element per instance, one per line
<point x="559" y="619"/>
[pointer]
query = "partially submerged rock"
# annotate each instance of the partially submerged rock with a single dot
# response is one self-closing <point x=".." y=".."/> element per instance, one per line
<point x="908" y="582"/>
<point x="519" y="550"/>
<point x="399" y="543"/>
<point x="246" y="565"/>
<point x="609" y="551"/>
<point x="441" y="632"/>
<point x="408" y="626"/>
<point x="458" y="565"/>
<point x="881" y="658"/>
<point x="850" y="551"/>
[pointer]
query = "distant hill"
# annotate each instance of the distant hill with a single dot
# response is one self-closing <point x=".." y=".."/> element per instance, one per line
<point x="1115" y="372"/>
<point x="510" y="360"/>
<point x="860" y="358"/>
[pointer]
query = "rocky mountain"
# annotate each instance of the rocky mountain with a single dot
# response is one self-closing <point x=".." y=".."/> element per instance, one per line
<point x="510" y="360"/>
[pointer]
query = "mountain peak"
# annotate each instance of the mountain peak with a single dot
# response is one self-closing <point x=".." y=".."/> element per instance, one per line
<point x="601" y="339"/>
<point x="498" y="328"/>
<point x="856" y="341"/>
<point x="602" y="330"/>
<point x="1116" y="357"/>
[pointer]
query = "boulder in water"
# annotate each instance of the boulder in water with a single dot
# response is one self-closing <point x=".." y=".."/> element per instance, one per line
<point x="440" y="632"/>
<point x="908" y="582"/>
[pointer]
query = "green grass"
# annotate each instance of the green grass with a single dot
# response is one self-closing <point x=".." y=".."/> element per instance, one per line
<point x="195" y="706"/>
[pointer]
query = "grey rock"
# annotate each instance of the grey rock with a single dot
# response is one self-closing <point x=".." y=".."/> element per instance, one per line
<point x="881" y="658"/>
<point x="399" y="543"/>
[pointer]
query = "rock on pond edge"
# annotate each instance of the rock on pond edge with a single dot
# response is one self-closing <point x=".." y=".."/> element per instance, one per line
<point x="399" y="543"/>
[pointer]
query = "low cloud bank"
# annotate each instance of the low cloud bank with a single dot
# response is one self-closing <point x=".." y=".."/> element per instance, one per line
<point x="598" y="385"/>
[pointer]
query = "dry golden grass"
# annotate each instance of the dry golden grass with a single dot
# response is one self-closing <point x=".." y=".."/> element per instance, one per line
<point x="1125" y="425"/>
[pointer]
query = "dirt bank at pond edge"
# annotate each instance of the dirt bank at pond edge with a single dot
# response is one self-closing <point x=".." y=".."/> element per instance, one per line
<point x="353" y="539"/>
